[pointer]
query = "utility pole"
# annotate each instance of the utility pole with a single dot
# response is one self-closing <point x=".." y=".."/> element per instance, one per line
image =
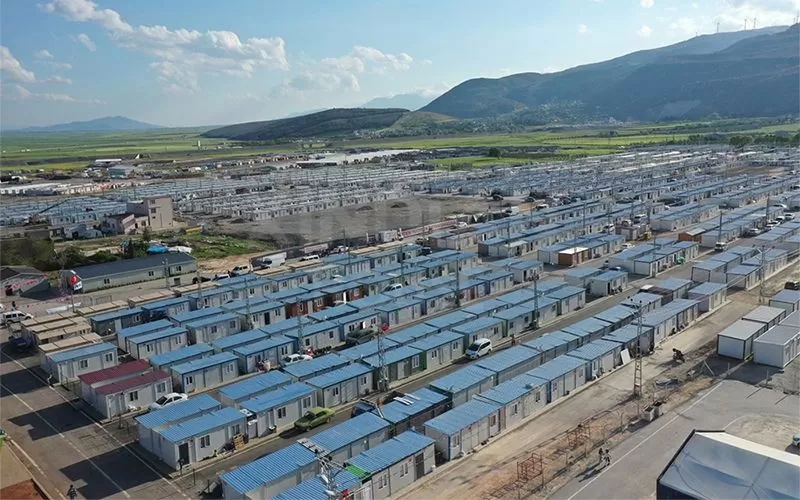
<point x="300" y="345"/>
<point x="249" y="322"/>
<point x="637" y="367"/>
<point x="166" y="272"/>
<point x="383" y="370"/>
<point x="536" y="300"/>
<point x="763" y="271"/>
<point x="199" y="290"/>
<point x="719" y="232"/>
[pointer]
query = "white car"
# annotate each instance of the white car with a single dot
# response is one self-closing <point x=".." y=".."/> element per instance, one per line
<point x="481" y="347"/>
<point x="295" y="358"/>
<point x="14" y="317"/>
<point x="307" y="258"/>
<point x="168" y="399"/>
<point x="393" y="287"/>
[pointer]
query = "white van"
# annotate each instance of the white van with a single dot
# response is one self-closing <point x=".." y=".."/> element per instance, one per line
<point x="241" y="269"/>
<point x="481" y="347"/>
<point x="306" y="258"/>
<point x="15" y="317"/>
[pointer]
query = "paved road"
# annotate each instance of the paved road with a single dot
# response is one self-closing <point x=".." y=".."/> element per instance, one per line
<point x="638" y="461"/>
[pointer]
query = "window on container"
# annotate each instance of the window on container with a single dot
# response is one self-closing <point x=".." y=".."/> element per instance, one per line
<point x="515" y="409"/>
<point x="151" y="273"/>
<point x="214" y="329"/>
<point x="177" y="340"/>
<point x="148" y="347"/>
<point x="179" y="268"/>
<point x="415" y="362"/>
<point x="307" y="342"/>
<point x="106" y="281"/>
<point x="84" y="363"/>
<point x="456" y="440"/>
<point x="492" y="419"/>
<point x="454" y="346"/>
<point x="537" y="396"/>
<point x="190" y="379"/>
<point x="229" y="368"/>
<point x="335" y="391"/>
<point x="403" y="469"/>
<point x="133" y="396"/>
<point x="284" y="350"/>
<point x="110" y="357"/>
<point x="282" y="412"/>
<point x="161" y="387"/>
<point x="306" y="402"/>
<point x="205" y="441"/>
<point x="236" y="429"/>
<point x="435" y="353"/>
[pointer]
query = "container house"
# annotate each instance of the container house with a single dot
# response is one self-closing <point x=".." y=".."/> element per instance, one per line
<point x="497" y="281"/>
<point x="114" y="321"/>
<point x="204" y="373"/>
<point x="342" y="385"/>
<point x="588" y="329"/>
<point x="182" y="319"/>
<point x="132" y="394"/>
<point x="142" y="329"/>
<point x="436" y="300"/>
<point x="460" y="430"/>
<point x="786" y="299"/>
<point x="581" y="276"/>
<point x="526" y="270"/>
<point x="201" y="437"/>
<point x="709" y="296"/>
<point x="402" y="362"/>
<point x="211" y="328"/>
<point x="92" y="380"/>
<point x="617" y="316"/>
<point x="481" y="328"/>
<point x="516" y="320"/>
<point x="778" y="347"/>
<point x="396" y="464"/>
<point x="259" y="313"/>
<point x="314" y="488"/>
<point x="601" y="356"/>
<point x="158" y="342"/>
<point x="450" y="320"/>
<point x="709" y="271"/>
<point x="547" y="309"/>
<point x="293" y="279"/>
<point x="263" y="353"/>
<point x="409" y="334"/>
<point x="411" y="411"/>
<point x="353" y="436"/>
<point x="736" y="341"/>
<point x="66" y="366"/>
<point x="646" y="302"/>
<point x="608" y="283"/>
<point x="632" y="339"/>
<point x="366" y="349"/>
<point x="277" y="409"/>
<point x="316" y="366"/>
<point x="271" y="474"/>
<point x="517" y="297"/>
<point x="233" y="394"/>
<point x="400" y="312"/>
<point x="189" y="353"/>
<point x="161" y="309"/>
<point x="510" y="363"/>
<point x="519" y="398"/>
<point x="362" y="320"/>
<point x="553" y="344"/>
<point x="286" y="325"/>
<point x="210" y="297"/>
<point x="149" y="424"/>
<point x="238" y="339"/>
<point x="331" y="313"/>
<point x="464" y="384"/>
<point x="485" y="308"/>
<point x="570" y="298"/>
<point x="440" y="349"/>
<point x="563" y="374"/>
<point x="766" y="315"/>
<point x="320" y="336"/>
<point x="743" y="277"/>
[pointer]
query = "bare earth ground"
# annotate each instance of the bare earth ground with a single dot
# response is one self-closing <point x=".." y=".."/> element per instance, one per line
<point x="358" y="220"/>
<point x="15" y="480"/>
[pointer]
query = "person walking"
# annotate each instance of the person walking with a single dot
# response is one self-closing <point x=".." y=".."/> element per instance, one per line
<point x="607" y="457"/>
<point x="71" y="493"/>
<point x="602" y="458"/>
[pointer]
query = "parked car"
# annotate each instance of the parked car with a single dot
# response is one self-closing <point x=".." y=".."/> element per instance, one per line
<point x="167" y="400"/>
<point x="753" y="231"/>
<point x="291" y="359"/>
<point x="314" y="418"/>
<point x="788" y="216"/>
<point x="627" y="246"/>
<point x="363" y="406"/>
<point x="307" y="258"/>
<point x="240" y="270"/>
<point x="393" y="287"/>
<point x="791" y="285"/>
<point x="221" y="276"/>
<point x="14" y="317"/>
<point x="201" y="279"/>
<point x="481" y="347"/>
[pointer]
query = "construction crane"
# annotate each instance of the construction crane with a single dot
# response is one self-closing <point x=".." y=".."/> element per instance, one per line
<point x="37" y="217"/>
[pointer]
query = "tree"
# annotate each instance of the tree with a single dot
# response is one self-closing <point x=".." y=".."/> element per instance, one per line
<point x="494" y="153"/>
<point x="740" y="141"/>
<point x="147" y="234"/>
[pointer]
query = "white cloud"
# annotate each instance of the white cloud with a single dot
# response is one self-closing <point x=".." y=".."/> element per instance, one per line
<point x="732" y="13"/>
<point x="426" y="62"/>
<point x="309" y="81"/>
<point x="87" y="42"/>
<point x="58" y="79"/>
<point x="686" y="26"/>
<point x="647" y="3"/>
<point x="695" y="5"/>
<point x="10" y="66"/>
<point x="432" y="91"/>
<point x="180" y="54"/>
<point x="644" y="31"/>
<point x="583" y="29"/>
<point x="20" y="93"/>
<point x="43" y="54"/>
<point x="58" y="65"/>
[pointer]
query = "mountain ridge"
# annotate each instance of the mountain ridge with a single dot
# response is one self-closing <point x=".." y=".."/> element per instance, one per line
<point x="103" y="124"/>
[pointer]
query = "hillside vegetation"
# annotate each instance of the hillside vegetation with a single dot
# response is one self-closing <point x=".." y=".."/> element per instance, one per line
<point x="325" y="123"/>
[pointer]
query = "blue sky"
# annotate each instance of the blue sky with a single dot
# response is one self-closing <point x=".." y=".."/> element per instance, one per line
<point x="200" y="62"/>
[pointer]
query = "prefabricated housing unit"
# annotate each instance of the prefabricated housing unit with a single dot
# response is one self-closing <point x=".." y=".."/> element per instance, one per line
<point x="145" y="328"/>
<point x="570" y="298"/>
<point x="709" y="295"/>
<point x="208" y="329"/>
<point x="235" y="393"/>
<point x="199" y="438"/>
<point x="736" y="341"/>
<point x="410" y="411"/>
<point x="440" y="349"/>
<point x="188" y="353"/>
<point x="510" y="363"/>
<point x="66" y="366"/>
<point x="150" y="423"/>
<point x="353" y="436"/>
<point x="277" y="409"/>
<point x="269" y="350"/>
<point x="204" y="373"/>
<point x="238" y="339"/>
<point x="518" y="398"/>
<point x="402" y="362"/>
<point x="786" y="299"/>
<point x="563" y="375"/>
<point x="342" y="385"/>
<point x="91" y="381"/>
<point x="601" y="356"/>
<point x="778" y="347"/>
<point x="158" y="342"/>
<point x="270" y="474"/>
<point x="481" y="328"/>
<point x="132" y="394"/>
<point x="463" y="384"/>
<point x="460" y="430"/>
<point x="114" y="321"/>
<point x="766" y="315"/>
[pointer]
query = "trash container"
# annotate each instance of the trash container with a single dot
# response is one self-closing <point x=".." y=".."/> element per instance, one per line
<point x="649" y="413"/>
<point x="657" y="406"/>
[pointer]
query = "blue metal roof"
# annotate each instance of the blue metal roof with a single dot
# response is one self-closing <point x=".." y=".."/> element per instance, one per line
<point x="315" y="489"/>
<point x="285" y="325"/>
<point x="436" y="340"/>
<point x="788" y="296"/>
<point x="165" y="303"/>
<point x="202" y="424"/>
<point x="370" y="301"/>
<point x="441" y="281"/>
<point x="485" y="306"/>
<point x="312" y="329"/>
<point x="391" y="452"/>
<point x="203" y="363"/>
<point x="434" y="293"/>
<point x="287" y="294"/>
<point x="627" y="333"/>
<point x="477" y="325"/>
<point x="682" y="304"/>
<point x="400" y="353"/>
<point x="180" y="354"/>
<point x="82" y="352"/>
<point x="211" y="320"/>
<point x="255" y="385"/>
<point x="708" y="288"/>
<point x="583" y="272"/>
<point x="411" y="333"/>
<point x="356" y="316"/>
<point x="495" y="275"/>
<point x="315" y="366"/>
<point x="610" y="275"/>
<point x="674" y="284"/>
<point x="463" y="416"/>
<point x="525" y="264"/>
<point x="556" y="367"/>
<point x="277" y="397"/>
<point x="160" y="334"/>
<point x="616" y="314"/>
<point x="421" y="400"/>
<point x="449" y="320"/>
<point x="238" y="339"/>
<point x="349" y="431"/>
<point x="333" y="312"/>
<point x="644" y="298"/>
<point x="179" y="411"/>
<point x="462" y="379"/>
<point x="119" y="313"/>
<point x="566" y="292"/>
<point x="195" y="315"/>
<point x="543" y="303"/>
<point x="262" y="345"/>
<point x="269" y="468"/>
<point x="586" y="327"/>
<point x="144" y="328"/>
<point x="366" y="349"/>
<point x="547" y="286"/>
<point x="513" y="389"/>
<point x="517" y="297"/>
<point x="398" y="304"/>
<point x="507" y="358"/>
<point x="513" y="313"/>
<point x="594" y="349"/>
<point x="339" y="375"/>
